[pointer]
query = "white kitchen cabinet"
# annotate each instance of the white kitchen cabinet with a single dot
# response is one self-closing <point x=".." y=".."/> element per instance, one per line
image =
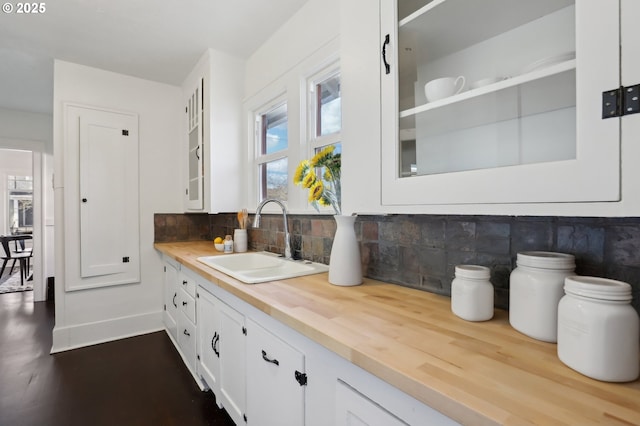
<point x="195" y="133"/>
<point x="526" y="128"/>
<point x="187" y="319"/>
<point x="209" y="339"/>
<point x="276" y="380"/>
<point x="170" y="313"/>
<point x="233" y="363"/>
<point x="355" y="409"/>
<point x="213" y="94"/>
<point x="180" y="313"/>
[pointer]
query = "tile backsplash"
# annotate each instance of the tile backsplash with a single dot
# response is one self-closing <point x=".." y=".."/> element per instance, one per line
<point x="421" y="251"/>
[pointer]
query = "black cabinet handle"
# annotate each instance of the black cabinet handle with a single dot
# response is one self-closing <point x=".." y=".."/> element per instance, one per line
<point x="387" y="67"/>
<point x="214" y="344"/>
<point x="84" y="200"/>
<point x="184" y="303"/>
<point x="174" y="299"/>
<point x="184" y="282"/>
<point x="186" y="333"/>
<point x="198" y="152"/>
<point x="272" y="361"/>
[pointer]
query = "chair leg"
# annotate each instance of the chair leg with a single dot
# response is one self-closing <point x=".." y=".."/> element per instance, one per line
<point x="22" y="264"/>
<point x="4" y="265"/>
<point x="12" y="266"/>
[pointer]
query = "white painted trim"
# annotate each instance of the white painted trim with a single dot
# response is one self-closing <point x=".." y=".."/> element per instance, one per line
<point x="93" y="333"/>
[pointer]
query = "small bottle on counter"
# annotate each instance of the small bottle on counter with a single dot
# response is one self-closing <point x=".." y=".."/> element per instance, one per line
<point x="228" y="244"/>
<point x="472" y="293"/>
<point x="598" y="329"/>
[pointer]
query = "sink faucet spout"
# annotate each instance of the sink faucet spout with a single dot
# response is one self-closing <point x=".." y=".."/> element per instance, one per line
<point x="287" y="238"/>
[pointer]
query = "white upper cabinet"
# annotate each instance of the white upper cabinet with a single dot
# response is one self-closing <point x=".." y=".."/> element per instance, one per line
<point x="514" y="105"/>
<point x="213" y="94"/>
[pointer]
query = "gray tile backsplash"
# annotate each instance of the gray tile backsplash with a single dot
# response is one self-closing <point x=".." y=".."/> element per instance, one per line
<point x="421" y="251"/>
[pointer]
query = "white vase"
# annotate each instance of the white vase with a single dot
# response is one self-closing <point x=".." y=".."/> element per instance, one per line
<point x="345" y="266"/>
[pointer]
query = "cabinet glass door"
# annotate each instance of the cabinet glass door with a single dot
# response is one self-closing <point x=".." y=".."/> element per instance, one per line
<point x="489" y="91"/>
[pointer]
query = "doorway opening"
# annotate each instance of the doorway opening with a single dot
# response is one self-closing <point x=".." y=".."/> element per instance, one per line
<point x="21" y="220"/>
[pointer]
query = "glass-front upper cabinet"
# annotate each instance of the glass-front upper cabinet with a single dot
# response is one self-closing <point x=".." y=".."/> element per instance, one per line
<point x="499" y="101"/>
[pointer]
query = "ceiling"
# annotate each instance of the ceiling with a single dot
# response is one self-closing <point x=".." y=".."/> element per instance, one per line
<point x="158" y="40"/>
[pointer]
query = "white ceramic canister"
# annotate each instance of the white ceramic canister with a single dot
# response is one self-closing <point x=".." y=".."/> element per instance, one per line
<point x="240" y="240"/>
<point x="598" y="329"/>
<point x="472" y="293"/>
<point x="535" y="289"/>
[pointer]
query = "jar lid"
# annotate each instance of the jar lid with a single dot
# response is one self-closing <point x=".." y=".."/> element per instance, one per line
<point x="473" y="271"/>
<point x="546" y="260"/>
<point x="597" y="288"/>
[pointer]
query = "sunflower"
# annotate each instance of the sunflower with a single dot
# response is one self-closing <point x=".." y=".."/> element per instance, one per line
<point x="315" y="192"/>
<point x="309" y="179"/>
<point x="301" y="172"/>
<point x="321" y="158"/>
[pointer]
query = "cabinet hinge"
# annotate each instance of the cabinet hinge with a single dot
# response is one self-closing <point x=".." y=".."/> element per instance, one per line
<point x="186" y="191"/>
<point x="244" y="416"/>
<point x="621" y="101"/>
<point x="301" y="378"/>
<point x="198" y="357"/>
<point x="165" y="306"/>
<point x="244" y="330"/>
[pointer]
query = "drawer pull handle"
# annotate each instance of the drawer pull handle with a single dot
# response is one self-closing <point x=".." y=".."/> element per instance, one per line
<point x="184" y="282"/>
<point x="186" y="333"/>
<point x="174" y="299"/>
<point x="184" y="303"/>
<point x="214" y="344"/>
<point x="272" y="361"/>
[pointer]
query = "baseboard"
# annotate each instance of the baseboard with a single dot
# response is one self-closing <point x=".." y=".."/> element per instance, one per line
<point x="78" y="336"/>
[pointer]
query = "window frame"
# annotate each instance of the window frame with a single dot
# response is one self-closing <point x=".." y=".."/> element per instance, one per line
<point x="261" y="160"/>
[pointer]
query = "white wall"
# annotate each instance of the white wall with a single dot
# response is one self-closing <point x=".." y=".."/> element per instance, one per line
<point x="91" y="316"/>
<point x="315" y="25"/>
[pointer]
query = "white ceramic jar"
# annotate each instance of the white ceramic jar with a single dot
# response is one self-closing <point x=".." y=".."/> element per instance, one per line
<point x="535" y="289"/>
<point x="472" y="293"/>
<point x="598" y="329"/>
<point x="240" y="240"/>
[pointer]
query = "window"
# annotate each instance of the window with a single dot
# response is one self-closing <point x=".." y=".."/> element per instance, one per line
<point x="273" y="149"/>
<point x="325" y="115"/>
<point x="291" y="120"/>
<point x="20" y="204"/>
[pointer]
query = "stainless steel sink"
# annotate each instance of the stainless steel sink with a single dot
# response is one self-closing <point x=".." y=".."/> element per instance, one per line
<point x="252" y="268"/>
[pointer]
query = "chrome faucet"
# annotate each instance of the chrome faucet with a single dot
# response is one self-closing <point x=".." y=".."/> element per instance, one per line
<point x="287" y="238"/>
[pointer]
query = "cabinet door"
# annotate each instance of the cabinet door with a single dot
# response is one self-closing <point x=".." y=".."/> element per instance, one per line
<point x="355" y="409"/>
<point x="233" y="363"/>
<point x="275" y="380"/>
<point x="209" y="339"/>
<point x="195" y="165"/>
<point x="171" y="299"/>
<point x="522" y="124"/>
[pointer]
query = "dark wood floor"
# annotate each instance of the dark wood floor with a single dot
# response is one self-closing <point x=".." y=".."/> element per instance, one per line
<point x="135" y="381"/>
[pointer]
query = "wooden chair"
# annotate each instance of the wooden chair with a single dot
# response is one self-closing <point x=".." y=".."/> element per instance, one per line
<point x="21" y="255"/>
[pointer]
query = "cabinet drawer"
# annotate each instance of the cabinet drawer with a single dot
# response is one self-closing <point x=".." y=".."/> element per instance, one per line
<point x="188" y="284"/>
<point x="187" y="339"/>
<point x="187" y="306"/>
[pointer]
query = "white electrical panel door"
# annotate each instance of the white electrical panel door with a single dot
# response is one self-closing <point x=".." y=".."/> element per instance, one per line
<point x="101" y="198"/>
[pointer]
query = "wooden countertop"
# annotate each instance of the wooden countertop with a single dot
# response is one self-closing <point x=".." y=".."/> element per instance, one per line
<point x="475" y="373"/>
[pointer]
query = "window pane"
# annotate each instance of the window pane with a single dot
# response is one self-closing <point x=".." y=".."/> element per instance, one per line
<point x="274" y="179"/>
<point x="329" y="107"/>
<point x="274" y="130"/>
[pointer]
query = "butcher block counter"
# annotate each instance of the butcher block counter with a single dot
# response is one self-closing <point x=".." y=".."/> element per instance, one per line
<point x="475" y="373"/>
